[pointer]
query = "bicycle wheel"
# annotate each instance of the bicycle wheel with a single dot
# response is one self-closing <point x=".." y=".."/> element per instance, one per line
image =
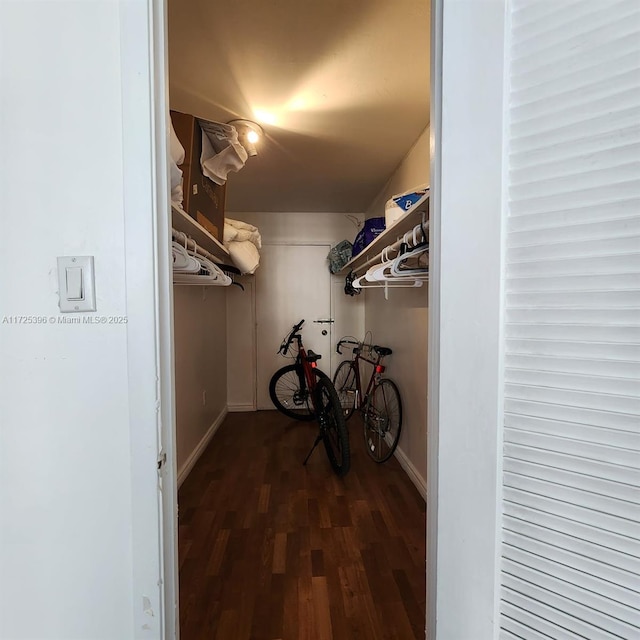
<point x="288" y="396"/>
<point x="333" y="427"/>
<point x="382" y="420"/>
<point x="345" y="381"/>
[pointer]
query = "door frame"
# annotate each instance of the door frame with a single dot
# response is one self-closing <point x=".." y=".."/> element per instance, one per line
<point x="433" y="328"/>
<point x="167" y="474"/>
<point x="157" y="17"/>
<point x="466" y="290"/>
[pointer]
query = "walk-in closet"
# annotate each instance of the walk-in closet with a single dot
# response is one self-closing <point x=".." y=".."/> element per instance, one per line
<point x="300" y="164"/>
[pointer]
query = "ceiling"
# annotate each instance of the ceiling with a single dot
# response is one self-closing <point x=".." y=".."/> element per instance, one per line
<point x="341" y="88"/>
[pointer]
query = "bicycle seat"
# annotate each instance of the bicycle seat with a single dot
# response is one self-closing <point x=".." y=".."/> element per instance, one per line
<point x="313" y="357"/>
<point x="382" y="351"/>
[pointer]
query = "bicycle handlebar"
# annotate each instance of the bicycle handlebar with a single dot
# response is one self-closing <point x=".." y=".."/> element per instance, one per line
<point x="284" y="347"/>
<point x="360" y="345"/>
<point x="341" y="342"/>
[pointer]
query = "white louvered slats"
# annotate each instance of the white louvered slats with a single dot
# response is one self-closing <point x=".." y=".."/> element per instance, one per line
<point x="570" y="549"/>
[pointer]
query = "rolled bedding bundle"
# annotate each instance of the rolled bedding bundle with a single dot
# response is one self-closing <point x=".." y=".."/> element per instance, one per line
<point x="243" y="241"/>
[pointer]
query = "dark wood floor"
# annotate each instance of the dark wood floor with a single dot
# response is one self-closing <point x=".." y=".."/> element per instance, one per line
<point x="272" y="550"/>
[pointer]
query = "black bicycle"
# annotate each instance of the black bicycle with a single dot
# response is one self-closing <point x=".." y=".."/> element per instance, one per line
<point x="303" y="392"/>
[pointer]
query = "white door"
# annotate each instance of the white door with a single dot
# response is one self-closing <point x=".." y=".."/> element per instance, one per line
<point x="292" y="283"/>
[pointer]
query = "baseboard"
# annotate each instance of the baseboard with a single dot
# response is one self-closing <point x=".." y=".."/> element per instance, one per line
<point x="419" y="482"/>
<point x="240" y="408"/>
<point x="190" y="462"/>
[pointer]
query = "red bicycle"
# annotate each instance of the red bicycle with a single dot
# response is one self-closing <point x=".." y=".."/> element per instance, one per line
<point x="303" y="392"/>
<point x="380" y="404"/>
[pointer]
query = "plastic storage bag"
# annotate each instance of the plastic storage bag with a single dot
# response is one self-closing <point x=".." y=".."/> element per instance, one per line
<point x="339" y="255"/>
<point x="373" y="227"/>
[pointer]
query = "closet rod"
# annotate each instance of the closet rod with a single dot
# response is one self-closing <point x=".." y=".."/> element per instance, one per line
<point x="390" y="247"/>
<point x="183" y="238"/>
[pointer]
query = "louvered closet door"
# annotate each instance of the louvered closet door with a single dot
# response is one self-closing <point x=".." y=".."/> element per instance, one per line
<point x="570" y="565"/>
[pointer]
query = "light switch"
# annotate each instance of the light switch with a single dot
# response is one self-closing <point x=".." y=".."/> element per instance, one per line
<point x="76" y="284"/>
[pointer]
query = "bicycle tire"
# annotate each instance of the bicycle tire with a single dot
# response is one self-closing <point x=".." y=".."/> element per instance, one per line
<point x="284" y="391"/>
<point x="333" y="427"/>
<point x="344" y="380"/>
<point x="382" y="420"/>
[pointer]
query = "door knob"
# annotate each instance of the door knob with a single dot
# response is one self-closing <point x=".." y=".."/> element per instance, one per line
<point x="324" y="332"/>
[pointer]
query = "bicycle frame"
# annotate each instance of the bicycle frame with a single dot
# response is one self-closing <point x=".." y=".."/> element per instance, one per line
<point x="304" y="363"/>
<point x="378" y="370"/>
<point x="307" y="369"/>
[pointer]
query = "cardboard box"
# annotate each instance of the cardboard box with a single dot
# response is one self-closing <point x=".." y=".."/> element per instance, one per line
<point x="204" y="200"/>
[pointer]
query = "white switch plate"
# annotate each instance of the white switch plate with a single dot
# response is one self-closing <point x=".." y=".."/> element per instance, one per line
<point x="87" y="302"/>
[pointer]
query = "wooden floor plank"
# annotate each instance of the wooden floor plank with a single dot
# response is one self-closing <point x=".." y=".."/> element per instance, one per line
<point x="272" y="550"/>
<point x="280" y="553"/>
<point x="322" y="609"/>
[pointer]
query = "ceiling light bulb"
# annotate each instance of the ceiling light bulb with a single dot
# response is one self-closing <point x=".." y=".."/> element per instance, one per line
<point x="248" y="134"/>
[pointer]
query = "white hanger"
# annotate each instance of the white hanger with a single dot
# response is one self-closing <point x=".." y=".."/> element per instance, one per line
<point x="213" y="275"/>
<point x="179" y="259"/>
<point x="183" y="262"/>
<point x="387" y="274"/>
<point x="390" y="270"/>
<point x="411" y="247"/>
<point x="377" y="272"/>
<point x="220" y="277"/>
<point x="409" y="272"/>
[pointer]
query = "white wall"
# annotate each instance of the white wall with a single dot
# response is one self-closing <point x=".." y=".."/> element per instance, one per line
<point x="466" y="212"/>
<point x="200" y="339"/>
<point x="413" y="171"/>
<point x="401" y="323"/>
<point x="241" y="346"/>
<point x="78" y="402"/>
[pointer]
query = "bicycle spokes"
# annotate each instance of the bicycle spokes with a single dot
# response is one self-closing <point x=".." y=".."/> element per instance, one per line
<point x="378" y="422"/>
<point x="346" y="384"/>
<point x="382" y="421"/>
